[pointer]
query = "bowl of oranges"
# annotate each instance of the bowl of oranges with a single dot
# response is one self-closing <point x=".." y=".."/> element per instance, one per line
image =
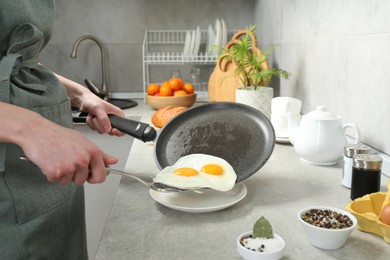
<point x="174" y="92"/>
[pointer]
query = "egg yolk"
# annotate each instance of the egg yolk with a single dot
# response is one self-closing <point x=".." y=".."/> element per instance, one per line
<point x="186" y="172"/>
<point x="213" y="169"/>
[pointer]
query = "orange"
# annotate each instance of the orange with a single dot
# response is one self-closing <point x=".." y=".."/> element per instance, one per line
<point x="176" y="83"/>
<point x="189" y="88"/>
<point x="179" y="92"/>
<point x="165" y="89"/>
<point x="165" y="84"/>
<point x="181" y="82"/>
<point x="153" y="89"/>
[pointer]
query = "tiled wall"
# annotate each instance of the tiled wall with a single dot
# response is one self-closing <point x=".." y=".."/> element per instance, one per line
<point x="338" y="51"/>
<point x="120" y="25"/>
<point x="339" y="56"/>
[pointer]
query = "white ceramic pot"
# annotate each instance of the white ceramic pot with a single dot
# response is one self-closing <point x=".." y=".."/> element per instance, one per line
<point x="320" y="137"/>
<point x="277" y="244"/>
<point x="260" y="99"/>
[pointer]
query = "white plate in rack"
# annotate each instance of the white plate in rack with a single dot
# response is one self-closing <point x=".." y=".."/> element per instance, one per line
<point x="192" y="44"/>
<point x="197" y="41"/>
<point x="210" y="40"/>
<point x="224" y="40"/>
<point x="218" y="33"/>
<point x="207" y="201"/>
<point x="187" y="43"/>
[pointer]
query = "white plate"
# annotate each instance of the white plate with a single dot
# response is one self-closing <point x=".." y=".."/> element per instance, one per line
<point x="187" y="43"/>
<point x="197" y="41"/>
<point x="224" y="33"/>
<point x="210" y="40"/>
<point x="207" y="201"/>
<point x="283" y="140"/>
<point x="218" y="33"/>
<point x="192" y="45"/>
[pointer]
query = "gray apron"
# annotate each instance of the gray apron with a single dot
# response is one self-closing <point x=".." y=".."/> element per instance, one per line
<point x="38" y="219"/>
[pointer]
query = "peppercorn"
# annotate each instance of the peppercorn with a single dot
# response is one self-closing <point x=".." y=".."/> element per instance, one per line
<point x="328" y="219"/>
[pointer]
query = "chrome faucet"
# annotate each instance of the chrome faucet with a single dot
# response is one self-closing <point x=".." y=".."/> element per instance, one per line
<point x="103" y="91"/>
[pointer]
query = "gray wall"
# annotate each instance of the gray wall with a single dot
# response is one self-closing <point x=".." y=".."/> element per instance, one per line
<point x="339" y="56"/>
<point x="120" y="25"/>
<point x="338" y="51"/>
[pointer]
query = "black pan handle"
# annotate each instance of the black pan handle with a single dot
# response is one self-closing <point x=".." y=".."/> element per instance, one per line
<point x="139" y="130"/>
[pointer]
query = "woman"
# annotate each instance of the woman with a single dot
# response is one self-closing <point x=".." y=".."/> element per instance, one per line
<point x="42" y="200"/>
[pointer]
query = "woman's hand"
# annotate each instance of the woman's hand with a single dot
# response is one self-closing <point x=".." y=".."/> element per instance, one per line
<point x="98" y="111"/>
<point x="64" y="155"/>
<point x="97" y="108"/>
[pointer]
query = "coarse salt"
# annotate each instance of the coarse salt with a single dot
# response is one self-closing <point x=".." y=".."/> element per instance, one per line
<point x="270" y="244"/>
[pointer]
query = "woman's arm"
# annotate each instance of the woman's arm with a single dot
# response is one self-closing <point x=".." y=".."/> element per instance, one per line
<point x="64" y="155"/>
<point x="97" y="108"/>
<point x="75" y="91"/>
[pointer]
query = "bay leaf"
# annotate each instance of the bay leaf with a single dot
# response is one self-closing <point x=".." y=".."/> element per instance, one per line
<point x="262" y="228"/>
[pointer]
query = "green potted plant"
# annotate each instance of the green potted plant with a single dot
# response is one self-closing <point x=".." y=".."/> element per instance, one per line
<point x="251" y="70"/>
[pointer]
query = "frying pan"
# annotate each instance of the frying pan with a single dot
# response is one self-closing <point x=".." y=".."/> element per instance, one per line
<point x="238" y="133"/>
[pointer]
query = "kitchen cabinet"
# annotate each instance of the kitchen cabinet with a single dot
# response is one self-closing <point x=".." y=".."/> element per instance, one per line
<point x="99" y="198"/>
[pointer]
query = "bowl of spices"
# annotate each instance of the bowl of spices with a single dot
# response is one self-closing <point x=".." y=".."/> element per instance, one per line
<point x="327" y="227"/>
<point x="260" y="243"/>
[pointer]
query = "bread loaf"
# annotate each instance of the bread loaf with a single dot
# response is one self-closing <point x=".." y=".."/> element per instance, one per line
<point x="163" y="115"/>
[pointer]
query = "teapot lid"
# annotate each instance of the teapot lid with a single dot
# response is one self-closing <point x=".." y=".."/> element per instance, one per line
<point x="321" y="114"/>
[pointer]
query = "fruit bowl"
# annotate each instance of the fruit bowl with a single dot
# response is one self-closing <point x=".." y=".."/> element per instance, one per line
<point x="157" y="102"/>
<point x="327" y="238"/>
<point x="366" y="209"/>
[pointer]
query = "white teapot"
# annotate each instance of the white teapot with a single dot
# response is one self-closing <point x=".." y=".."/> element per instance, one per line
<point x="320" y="137"/>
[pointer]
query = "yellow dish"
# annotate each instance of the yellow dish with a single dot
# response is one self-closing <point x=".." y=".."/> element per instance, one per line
<point x="366" y="210"/>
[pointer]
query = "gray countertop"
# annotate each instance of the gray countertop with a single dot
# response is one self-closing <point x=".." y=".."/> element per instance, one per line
<point x="141" y="228"/>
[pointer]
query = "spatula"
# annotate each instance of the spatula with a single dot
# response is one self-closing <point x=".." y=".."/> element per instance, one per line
<point x="152" y="185"/>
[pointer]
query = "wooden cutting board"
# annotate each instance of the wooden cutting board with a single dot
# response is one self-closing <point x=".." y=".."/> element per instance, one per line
<point x="223" y="81"/>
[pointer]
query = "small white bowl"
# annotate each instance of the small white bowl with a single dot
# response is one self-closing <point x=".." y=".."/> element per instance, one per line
<point x="324" y="238"/>
<point x="253" y="255"/>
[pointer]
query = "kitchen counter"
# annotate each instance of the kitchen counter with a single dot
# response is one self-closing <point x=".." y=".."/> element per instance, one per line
<point x="141" y="228"/>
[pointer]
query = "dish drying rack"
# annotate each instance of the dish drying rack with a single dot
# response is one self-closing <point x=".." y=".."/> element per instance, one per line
<point x="165" y="47"/>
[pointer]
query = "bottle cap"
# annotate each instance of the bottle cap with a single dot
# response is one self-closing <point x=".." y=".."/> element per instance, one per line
<point x="352" y="149"/>
<point x="367" y="162"/>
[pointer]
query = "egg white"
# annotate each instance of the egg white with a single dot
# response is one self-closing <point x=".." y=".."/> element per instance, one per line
<point x="223" y="182"/>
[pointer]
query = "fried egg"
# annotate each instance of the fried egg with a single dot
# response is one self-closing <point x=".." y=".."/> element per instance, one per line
<point x="198" y="171"/>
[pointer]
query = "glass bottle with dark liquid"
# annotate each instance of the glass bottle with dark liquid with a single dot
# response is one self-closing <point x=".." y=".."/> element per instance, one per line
<point x="366" y="175"/>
